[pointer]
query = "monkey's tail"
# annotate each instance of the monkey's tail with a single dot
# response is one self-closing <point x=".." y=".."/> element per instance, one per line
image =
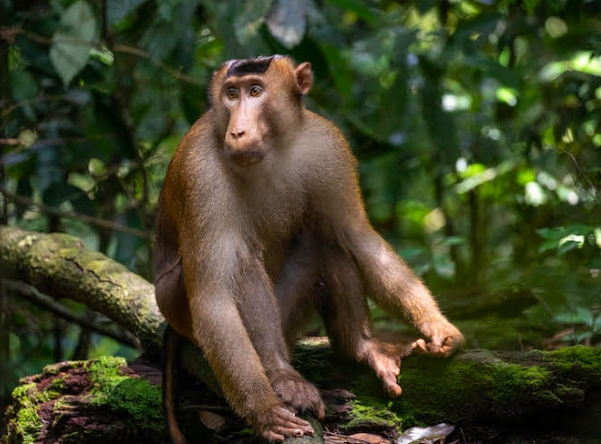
<point x="171" y="341"/>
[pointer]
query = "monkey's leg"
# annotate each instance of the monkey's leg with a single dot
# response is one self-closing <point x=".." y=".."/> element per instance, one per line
<point x="296" y="285"/>
<point x="346" y="315"/>
<point x="171" y="298"/>
<point x="260" y="313"/>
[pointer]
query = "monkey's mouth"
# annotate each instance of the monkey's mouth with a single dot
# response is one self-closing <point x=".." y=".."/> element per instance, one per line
<point x="246" y="158"/>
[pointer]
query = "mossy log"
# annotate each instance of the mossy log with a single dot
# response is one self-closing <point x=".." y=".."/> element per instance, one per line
<point x="61" y="266"/>
<point x="108" y="400"/>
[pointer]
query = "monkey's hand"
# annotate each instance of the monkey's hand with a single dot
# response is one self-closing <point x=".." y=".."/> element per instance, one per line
<point x="296" y="392"/>
<point x="443" y="341"/>
<point x="280" y="423"/>
<point x="385" y="359"/>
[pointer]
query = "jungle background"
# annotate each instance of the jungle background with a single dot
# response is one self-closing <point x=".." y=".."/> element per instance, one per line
<point x="476" y="124"/>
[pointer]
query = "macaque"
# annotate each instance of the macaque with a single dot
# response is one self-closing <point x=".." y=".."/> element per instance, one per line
<point x="261" y="222"/>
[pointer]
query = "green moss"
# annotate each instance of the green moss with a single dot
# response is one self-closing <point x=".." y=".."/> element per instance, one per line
<point x="27" y="423"/>
<point x="483" y="385"/>
<point x="371" y="415"/>
<point x="105" y="373"/>
<point x="577" y="358"/>
<point x="135" y="401"/>
<point x="508" y="382"/>
<point x="134" y="396"/>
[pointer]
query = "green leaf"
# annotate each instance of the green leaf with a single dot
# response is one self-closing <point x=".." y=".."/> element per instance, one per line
<point x="119" y="9"/>
<point x="248" y="22"/>
<point x="287" y="21"/>
<point x="24" y="85"/>
<point x="73" y="40"/>
<point x="359" y="8"/>
<point x="473" y="181"/>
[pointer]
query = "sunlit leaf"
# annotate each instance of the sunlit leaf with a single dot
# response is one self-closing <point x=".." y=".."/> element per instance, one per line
<point x="489" y="174"/>
<point x="359" y="8"/>
<point x="597" y="237"/>
<point x="569" y="243"/>
<point x="507" y="95"/>
<point x="72" y="41"/>
<point x="534" y="194"/>
<point x="583" y="62"/>
<point x="564" y="239"/>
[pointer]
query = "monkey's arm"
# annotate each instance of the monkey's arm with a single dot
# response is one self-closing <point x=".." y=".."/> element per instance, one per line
<point x="394" y="287"/>
<point x="389" y="281"/>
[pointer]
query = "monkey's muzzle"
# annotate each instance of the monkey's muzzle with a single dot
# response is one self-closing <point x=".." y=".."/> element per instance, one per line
<point x="246" y="158"/>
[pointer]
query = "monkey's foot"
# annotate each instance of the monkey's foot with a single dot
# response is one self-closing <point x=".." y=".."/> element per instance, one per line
<point x="280" y="423"/>
<point x="444" y="340"/>
<point x="296" y="392"/>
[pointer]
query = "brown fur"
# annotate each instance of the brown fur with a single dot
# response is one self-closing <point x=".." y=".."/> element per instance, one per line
<point x="261" y="218"/>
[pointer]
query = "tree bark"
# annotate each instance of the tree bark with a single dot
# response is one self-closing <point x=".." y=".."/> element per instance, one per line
<point x="108" y="400"/>
<point x="61" y="266"/>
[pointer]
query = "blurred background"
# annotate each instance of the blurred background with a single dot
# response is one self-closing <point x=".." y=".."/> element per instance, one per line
<point x="476" y="124"/>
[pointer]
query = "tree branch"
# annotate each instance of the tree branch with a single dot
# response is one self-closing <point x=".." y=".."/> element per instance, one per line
<point x="60" y="265"/>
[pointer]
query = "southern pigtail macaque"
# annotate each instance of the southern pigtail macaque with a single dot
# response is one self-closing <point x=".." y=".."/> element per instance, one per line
<point x="261" y="219"/>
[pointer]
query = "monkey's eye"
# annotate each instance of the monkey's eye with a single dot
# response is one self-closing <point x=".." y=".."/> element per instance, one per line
<point x="256" y="91"/>
<point x="232" y="93"/>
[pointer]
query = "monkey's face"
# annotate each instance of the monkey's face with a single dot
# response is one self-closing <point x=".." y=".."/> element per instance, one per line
<point x="258" y="104"/>
<point x="245" y="99"/>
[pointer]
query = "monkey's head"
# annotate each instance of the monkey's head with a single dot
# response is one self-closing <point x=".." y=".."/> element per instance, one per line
<point x="257" y="104"/>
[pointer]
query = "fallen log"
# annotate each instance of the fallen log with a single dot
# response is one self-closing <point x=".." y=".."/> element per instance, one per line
<point x="108" y="400"/>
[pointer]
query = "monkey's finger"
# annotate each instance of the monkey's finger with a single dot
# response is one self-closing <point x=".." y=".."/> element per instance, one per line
<point x="392" y="388"/>
<point x="291" y="430"/>
<point x="271" y="436"/>
<point x="420" y="346"/>
<point x="320" y="412"/>
<point x="287" y="423"/>
<point x="450" y="345"/>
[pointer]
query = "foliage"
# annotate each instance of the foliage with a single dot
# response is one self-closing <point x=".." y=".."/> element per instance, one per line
<point x="476" y="124"/>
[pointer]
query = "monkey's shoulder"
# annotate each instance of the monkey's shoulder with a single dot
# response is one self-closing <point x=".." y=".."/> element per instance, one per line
<point x="196" y="151"/>
<point x="201" y="133"/>
<point x="326" y="142"/>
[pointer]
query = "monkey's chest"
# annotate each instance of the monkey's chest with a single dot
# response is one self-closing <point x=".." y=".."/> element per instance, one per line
<point x="273" y="227"/>
<point x="275" y="210"/>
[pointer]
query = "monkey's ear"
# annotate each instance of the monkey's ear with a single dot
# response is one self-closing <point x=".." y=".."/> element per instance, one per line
<point x="304" y="77"/>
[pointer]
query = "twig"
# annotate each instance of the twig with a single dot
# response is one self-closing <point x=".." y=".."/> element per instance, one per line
<point x="10" y="33"/>
<point x="47" y="303"/>
<point x="581" y="173"/>
<point x="75" y="216"/>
